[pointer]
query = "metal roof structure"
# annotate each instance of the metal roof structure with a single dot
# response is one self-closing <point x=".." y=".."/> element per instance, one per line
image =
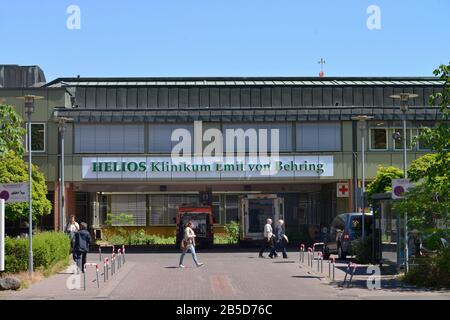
<point x="232" y="99"/>
<point x="245" y="115"/>
<point x="246" y="81"/>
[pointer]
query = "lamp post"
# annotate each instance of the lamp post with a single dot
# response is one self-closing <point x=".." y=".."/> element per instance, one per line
<point x="404" y="98"/>
<point x="29" y="109"/>
<point x="62" y="126"/>
<point x="362" y="124"/>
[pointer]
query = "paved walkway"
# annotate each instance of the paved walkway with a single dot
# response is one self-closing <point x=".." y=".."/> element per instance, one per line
<point x="234" y="276"/>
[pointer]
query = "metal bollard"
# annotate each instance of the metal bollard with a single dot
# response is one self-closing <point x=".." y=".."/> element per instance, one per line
<point x="123" y="254"/>
<point x="334" y="267"/>
<point x="119" y="258"/>
<point x="113" y="264"/>
<point x="99" y="253"/>
<point x="84" y="274"/>
<point x="353" y="266"/>
<point x="320" y="261"/>
<point x="310" y="257"/>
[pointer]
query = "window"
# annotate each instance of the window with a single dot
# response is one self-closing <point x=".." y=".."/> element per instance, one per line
<point x="231" y="208"/>
<point x="398" y="143"/>
<point x="378" y="139"/>
<point x="216" y="209"/>
<point x="285" y="134"/>
<point x="128" y="210"/>
<point x="158" y="209"/>
<point x="175" y="201"/>
<point x="164" y="207"/>
<point x="37" y="137"/>
<point x="109" y="138"/>
<point x="318" y="136"/>
<point x="160" y="137"/>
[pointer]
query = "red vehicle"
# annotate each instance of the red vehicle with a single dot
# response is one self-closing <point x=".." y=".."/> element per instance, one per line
<point x="202" y="220"/>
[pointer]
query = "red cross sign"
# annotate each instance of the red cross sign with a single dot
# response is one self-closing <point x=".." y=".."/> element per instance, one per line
<point x="342" y="190"/>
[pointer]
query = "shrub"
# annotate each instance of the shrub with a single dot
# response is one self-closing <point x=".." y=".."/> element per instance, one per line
<point x="233" y="230"/>
<point x="363" y="249"/>
<point x="49" y="248"/>
<point x="431" y="272"/>
<point x="138" y="238"/>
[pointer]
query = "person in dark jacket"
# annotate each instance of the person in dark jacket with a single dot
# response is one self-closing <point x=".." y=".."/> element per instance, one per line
<point x="281" y="238"/>
<point x="81" y="246"/>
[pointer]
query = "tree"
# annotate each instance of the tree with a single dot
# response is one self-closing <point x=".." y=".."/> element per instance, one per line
<point x="11" y="130"/>
<point x="383" y="180"/>
<point x="12" y="170"/>
<point x="429" y="200"/>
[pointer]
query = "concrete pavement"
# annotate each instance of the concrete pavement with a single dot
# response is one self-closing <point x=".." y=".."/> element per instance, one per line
<point x="231" y="276"/>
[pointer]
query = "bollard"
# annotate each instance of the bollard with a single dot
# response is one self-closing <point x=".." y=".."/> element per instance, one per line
<point x="353" y="266"/>
<point x="113" y="264"/>
<point x="105" y="269"/>
<point x="123" y="254"/>
<point x="331" y="260"/>
<point x="310" y="258"/>
<point x="334" y="267"/>
<point x="119" y="258"/>
<point x="84" y="274"/>
<point x="99" y="253"/>
<point x="320" y="261"/>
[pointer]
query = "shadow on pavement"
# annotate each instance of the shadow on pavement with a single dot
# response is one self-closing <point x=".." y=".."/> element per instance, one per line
<point x="307" y="277"/>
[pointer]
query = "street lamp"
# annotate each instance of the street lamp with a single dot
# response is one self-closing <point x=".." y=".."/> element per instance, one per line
<point x="62" y="126"/>
<point x="29" y="109"/>
<point x="362" y="124"/>
<point x="404" y="98"/>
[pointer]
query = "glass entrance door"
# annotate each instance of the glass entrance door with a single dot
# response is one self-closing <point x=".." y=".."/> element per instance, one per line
<point x="257" y="209"/>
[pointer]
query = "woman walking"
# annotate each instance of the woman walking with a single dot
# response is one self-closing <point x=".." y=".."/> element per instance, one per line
<point x="188" y="244"/>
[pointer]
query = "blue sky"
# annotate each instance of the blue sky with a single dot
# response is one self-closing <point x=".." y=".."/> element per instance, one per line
<point x="226" y="37"/>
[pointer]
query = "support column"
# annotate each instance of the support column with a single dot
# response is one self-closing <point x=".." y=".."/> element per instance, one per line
<point x="56" y="207"/>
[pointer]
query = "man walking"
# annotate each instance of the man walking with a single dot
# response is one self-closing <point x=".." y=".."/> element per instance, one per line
<point x="282" y="239"/>
<point x="268" y="240"/>
<point x="81" y="246"/>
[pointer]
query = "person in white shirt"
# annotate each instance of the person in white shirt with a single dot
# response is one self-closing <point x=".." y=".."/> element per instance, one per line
<point x="72" y="228"/>
<point x="188" y="244"/>
<point x="268" y="240"/>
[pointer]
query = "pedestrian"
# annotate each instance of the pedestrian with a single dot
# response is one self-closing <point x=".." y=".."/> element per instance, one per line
<point x="281" y="237"/>
<point x="268" y="241"/>
<point x="188" y="244"/>
<point x="72" y="228"/>
<point x="81" y="246"/>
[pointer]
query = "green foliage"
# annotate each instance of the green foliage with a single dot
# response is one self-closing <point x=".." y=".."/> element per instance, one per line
<point x="13" y="169"/>
<point x="431" y="272"/>
<point x="383" y="180"/>
<point x="363" y="249"/>
<point x="139" y="238"/>
<point x="119" y="220"/>
<point x="11" y="130"/>
<point x="429" y="200"/>
<point x="49" y="248"/>
<point x="233" y="230"/>
<point x="419" y="167"/>
<point x="432" y="238"/>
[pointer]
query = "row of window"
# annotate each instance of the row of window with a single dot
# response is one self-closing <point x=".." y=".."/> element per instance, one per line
<point x="129" y="138"/>
<point x="125" y="138"/>
<point x="132" y="209"/>
<point x="383" y="139"/>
